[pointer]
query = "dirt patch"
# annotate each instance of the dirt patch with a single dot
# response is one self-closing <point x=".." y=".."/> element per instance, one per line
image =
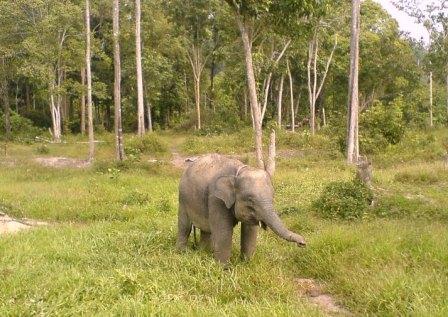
<point x="11" y="225"/>
<point x="315" y="293"/>
<point x="62" y="162"/>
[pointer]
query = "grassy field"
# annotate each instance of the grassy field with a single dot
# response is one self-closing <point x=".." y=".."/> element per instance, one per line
<point x="109" y="248"/>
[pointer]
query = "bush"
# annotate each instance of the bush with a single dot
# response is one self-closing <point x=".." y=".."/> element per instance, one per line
<point x="20" y="126"/>
<point x="382" y="125"/>
<point x="148" y="144"/>
<point x="346" y="200"/>
<point x="42" y="149"/>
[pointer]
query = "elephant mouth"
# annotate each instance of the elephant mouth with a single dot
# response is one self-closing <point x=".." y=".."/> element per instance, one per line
<point x="263" y="225"/>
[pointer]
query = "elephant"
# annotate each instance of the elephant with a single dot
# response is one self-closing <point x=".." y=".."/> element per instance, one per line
<point x="215" y="193"/>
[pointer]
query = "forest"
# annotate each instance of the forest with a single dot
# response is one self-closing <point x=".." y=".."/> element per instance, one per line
<point x="104" y="104"/>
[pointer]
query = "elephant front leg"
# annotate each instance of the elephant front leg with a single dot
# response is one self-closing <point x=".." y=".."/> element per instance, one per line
<point x="221" y="227"/>
<point x="248" y="240"/>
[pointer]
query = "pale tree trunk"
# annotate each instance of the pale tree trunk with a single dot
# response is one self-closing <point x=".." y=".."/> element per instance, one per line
<point x="197" y="66"/>
<point x="353" y="102"/>
<point x="252" y="88"/>
<point x="119" y="147"/>
<point x="148" y="110"/>
<point x="324" y="117"/>
<point x="89" y="86"/>
<point x="279" y="101"/>
<point x="291" y="92"/>
<point x="83" y="100"/>
<point x="431" y="120"/>
<point x="138" y="63"/>
<point x="446" y="82"/>
<point x="55" y="110"/>
<point x="267" y="81"/>
<point x="270" y="164"/>
<point x="314" y="90"/>
<point x="6" y="104"/>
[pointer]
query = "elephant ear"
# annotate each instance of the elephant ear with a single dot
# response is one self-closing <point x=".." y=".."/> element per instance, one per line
<point x="224" y="189"/>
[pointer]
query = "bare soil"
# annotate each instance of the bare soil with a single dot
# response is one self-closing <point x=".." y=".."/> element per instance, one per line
<point x="11" y="225"/>
<point x="61" y="162"/>
<point x="316" y="294"/>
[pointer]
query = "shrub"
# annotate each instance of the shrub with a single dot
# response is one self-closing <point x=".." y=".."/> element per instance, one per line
<point x="20" y="126"/>
<point x="382" y="125"/>
<point x="42" y="149"/>
<point x="346" y="200"/>
<point x="148" y="144"/>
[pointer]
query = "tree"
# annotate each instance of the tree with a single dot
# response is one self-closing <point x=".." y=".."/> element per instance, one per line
<point x="89" y="84"/>
<point x="138" y="63"/>
<point x="6" y="104"/>
<point x="353" y="101"/>
<point x="119" y="146"/>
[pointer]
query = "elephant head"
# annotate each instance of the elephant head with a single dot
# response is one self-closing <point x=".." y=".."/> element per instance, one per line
<point x="251" y="194"/>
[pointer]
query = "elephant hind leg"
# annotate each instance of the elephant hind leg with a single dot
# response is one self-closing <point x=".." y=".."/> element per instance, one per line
<point x="205" y="240"/>
<point x="183" y="227"/>
<point x="248" y="240"/>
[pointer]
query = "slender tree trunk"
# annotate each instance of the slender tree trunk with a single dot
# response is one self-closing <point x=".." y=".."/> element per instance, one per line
<point x="197" y="65"/>
<point x="324" y="118"/>
<point x="353" y="102"/>
<point x="83" y="99"/>
<point x="279" y="102"/>
<point x="119" y="147"/>
<point x="55" y="115"/>
<point x="27" y="97"/>
<point x="89" y="86"/>
<point x="148" y="110"/>
<point x="138" y="62"/>
<point x="6" y="104"/>
<point x="16" y="97"/>
<point x="291" y="91"/>
<point x="446" y="82"/>
<point x="252" y="88"/>
<point x="431" y="120"/>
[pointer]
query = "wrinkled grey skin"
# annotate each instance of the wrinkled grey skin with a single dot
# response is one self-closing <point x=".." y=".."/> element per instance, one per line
<point x="214" y="199"/>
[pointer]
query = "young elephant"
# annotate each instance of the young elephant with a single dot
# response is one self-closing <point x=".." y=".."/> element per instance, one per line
<point x="215" y="193"/>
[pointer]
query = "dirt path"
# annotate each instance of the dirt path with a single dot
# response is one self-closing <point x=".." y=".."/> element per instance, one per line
<point x="60" y="162"/>
<point x="11" y="225"/>
<point x="314" y="292"/>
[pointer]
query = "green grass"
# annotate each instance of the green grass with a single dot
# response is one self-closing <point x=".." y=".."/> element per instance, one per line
<point x="109" y="248"/>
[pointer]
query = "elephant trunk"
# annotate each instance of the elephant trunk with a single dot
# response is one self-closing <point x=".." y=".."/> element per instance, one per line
<point x="273" y="221"/>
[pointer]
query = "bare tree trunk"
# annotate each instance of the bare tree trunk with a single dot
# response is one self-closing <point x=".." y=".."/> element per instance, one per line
<point x="245" y="103"/>
<point x="324" y="118"/>
<point x="353" y="102"/>
<point x="446" y="81"/>
<point x="270" y="164"/>
<point x="83" y="99"/>
<point x="431" y="120"/>
<point x="119" y="147"/>
<point x="291" y="91"/>
<point x="197" y="66"/>
<point x="148" y="110"/>
<point x="55" y="115"/>
<point x="252" y="88"/>
<point x="6" y="104"/>
<point x="138" y="63"/>
<point x="279" y="101"/>
<point x="89" y="86"/>
<point x="27" y="97"/>
<point x="16" y="97"/>
<point x="314" y="91"/>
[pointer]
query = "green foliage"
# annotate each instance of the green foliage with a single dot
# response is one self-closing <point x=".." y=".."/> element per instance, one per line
<point x="42" y="149"/>
<point x="149" y="144"/>
<point x="381" y="125"/>
<point x="347" y="200"/>
<point x="20" y="126"/>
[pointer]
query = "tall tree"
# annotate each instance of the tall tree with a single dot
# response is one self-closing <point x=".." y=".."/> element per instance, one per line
<point x="6" y="104"/>
<point x="353" y="97"/>
<point x="89" y="84"/>
<point x="83" y="99"/>
<point x="119" y="146"/>
<point x="138" y="64"/>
